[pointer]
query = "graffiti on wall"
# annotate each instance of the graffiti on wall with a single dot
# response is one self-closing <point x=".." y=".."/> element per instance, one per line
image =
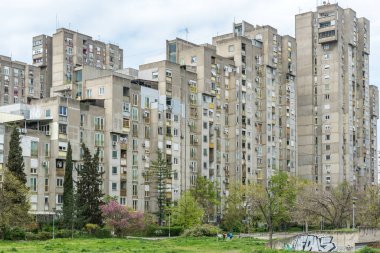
<point x="315" y="243"/>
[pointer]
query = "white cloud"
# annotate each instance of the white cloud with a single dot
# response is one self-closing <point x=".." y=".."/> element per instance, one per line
<point x="141" y="27"/>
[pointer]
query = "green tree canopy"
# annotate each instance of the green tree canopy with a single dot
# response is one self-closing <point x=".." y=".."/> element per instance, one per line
<point x="89" y="193"/>
<point x="188" y="212"/>
<point x="15" y="162"/>
<point x="68" y="191"/>
<point x="14" y="204"/>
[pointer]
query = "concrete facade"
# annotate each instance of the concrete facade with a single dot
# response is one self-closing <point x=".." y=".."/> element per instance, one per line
<point x="334" y="97"/>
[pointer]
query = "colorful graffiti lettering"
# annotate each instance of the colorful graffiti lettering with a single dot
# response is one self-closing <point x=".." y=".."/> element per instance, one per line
<point x="314" y="243"/>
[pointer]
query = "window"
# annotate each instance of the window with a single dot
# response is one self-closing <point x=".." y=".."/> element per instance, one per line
<point x="231" y="48"/>
<point x="328" y="147"/>
<point x="328" y="157"/>
<point x="46" y="184"/>
<point x="154" y="75"/>
<point x="126" y="107"/>
<point x="99" y="123"/>
<point x="327" y="116"/>
<point x="47" y="113"/>
<point x="114" y="186"/>
<point x="62" y="110"/>
<point x="122" y="201"/>
<point x="193" y="59"/>
<point x="59" y="199"/>
<point x="205" y="152"/>
<point x="135" y="175"/>
<point x="47" y="149"/>
<point x="33" y="170"/>
<point x="99" y="139"/>
<point x="135" y="99"/>
<point x="204" y="138"/>
<point x="89" y="93"/>
<point x="135" y="113"/>
<point x="34" y="148"/>
<point x="33" y="184"/>
<point x="327" y="137"/>
<point x="126" y="123"/>
<point x="327" y="34"/>
<point x="125" y="91"/>
<point x="114" y="154"/>
<point x="134" y="190"/>
<point x="175" y="132"/>
<point x="134" y="204"/>
<point x="101" y="91"/>
<point x="62" y="128"/>
<point x="59" y="181"/>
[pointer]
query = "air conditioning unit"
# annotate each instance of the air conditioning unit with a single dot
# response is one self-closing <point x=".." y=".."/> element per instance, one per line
<point x="114" y="143"/>
<point x="195" y="140"/>
<point x="146" y="114"/>
<point x="47" y="133"/>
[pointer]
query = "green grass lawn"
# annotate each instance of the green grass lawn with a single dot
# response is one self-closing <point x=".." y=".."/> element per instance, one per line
<point x="179" y="244"/>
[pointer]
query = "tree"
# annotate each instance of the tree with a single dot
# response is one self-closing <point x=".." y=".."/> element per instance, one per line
<point x="274" y="201"/>
<point x="161" y="173"/>
<point x="334" y="205"/>
<point x="122" y="220"/>
<point x="302" y="213"/>
<point x="235" y="210"/>
<point x="188" y="212"/>
<point x="14" y="206"/>
<point x="68" y="191"/>
<point x="15" y="163"/>
<point x="368" y="207"/>
<point x="204" y="192"/>
<point x="89" y="192"/>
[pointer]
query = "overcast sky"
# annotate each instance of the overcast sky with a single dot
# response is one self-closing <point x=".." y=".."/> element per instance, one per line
<point x="141" y="27"/>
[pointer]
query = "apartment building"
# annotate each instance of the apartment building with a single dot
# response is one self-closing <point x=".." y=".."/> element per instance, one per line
<point x="266" y="64"/>
<point x="333" y="93"/>
<point x="19" y="82"/>
<point x="374" y="116"/>
<point x="42" y="59"/>
<point x="63" y="56"/>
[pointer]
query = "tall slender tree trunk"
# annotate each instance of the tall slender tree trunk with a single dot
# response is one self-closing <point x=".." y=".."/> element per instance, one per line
<point x="306" y="227"/>
<point x="271" y="236"/>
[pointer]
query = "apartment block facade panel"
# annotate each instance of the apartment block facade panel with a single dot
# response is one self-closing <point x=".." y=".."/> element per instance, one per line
<point x="333" y="96"/>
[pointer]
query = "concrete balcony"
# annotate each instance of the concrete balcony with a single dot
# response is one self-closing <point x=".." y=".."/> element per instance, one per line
<point x="123" y="162"/>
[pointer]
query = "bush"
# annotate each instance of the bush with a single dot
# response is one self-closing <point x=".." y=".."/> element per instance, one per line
<point x="367" y="250"/>
<point x="91" y="228"/>
<point x="44" y="236"/>
<point x="29" y="236"/>
<point x="63" y="233"/>
<point x="202" y="230"/>
<point x="156" y="231"/>
<point x="14" y="234"/>
<point x="103" y="233"/>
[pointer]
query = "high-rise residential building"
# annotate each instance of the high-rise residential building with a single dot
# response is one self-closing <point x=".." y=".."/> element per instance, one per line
<point x="266" y="100"/>
<point x="19" y="82"/>
<point x="42" y="58"/>
<point x="374" y="116"/>
<point x="64" y="56"/>
<point x="333" y="96"/>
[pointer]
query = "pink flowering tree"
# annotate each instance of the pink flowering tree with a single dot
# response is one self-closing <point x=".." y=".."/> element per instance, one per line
<point x="122" y="220"/>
